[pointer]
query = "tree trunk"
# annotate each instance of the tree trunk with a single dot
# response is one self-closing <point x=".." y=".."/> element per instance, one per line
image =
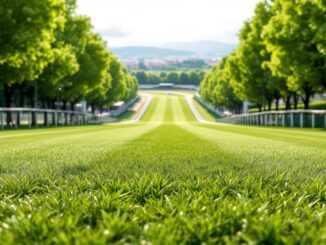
<point x="44" y="104"/>
<point x="21" y="100"/>
<point x="32" y="105"/>
<point x="295" y="100"/>
<point x="8" y="92"/>
<point x="277" y="103"/>
<point x="45" y="114"/>
<point x="93" y="108"/>
<point x="53" y="105"/>
<point x="269" y="102"/>
<point x="306" y="100"/>
<point x="307" y="96"/>
<point x="64" y="105"/>
<point x="288" y="102"/>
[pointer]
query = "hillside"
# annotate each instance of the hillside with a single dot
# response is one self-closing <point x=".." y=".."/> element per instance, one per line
<point x="139" y="52"/>
<point x="203" y="48"/>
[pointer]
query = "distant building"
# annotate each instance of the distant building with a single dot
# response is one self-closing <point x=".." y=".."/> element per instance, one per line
<point x="163" y="86"/>
<point x="166" y="85"/>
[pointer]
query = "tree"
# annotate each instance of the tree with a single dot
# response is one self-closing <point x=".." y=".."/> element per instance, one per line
<point x="295" y="37"/>
<point x="154" y="79"/>
<point x="251" y="79"/>
<point x="132" y="87"/>
<point x="194" y="78"/>
<point x="216" y="89"/>
<point x="92" y="75"/>
<point x="118" y="76"/>
<point x="184" y="78"/>
<point x="172" y="77"/>
<point x="141" y="77"/>
<point x="27" y="30"/>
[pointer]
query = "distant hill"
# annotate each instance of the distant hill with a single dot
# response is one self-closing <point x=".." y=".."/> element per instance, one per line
<point x="203" y="48"/>
<point x="139" y="52"/>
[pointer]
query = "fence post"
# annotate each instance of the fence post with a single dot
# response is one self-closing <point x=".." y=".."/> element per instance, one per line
<point x="276" y="119"/>
<point x="36" y="119"/>
<point x="1" y="119"/>
<point x="292" y="120"/>
<point x="30" y="119"/>
<point x="55" y="120"/>
<point x="283" y="119"/>
<point x="301" y="120"/>
<point x="313" y="120"/>
<point x="17" y="119"/>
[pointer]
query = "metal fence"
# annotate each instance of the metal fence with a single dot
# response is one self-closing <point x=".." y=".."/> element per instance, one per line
<point x="26" y="117"/>
<point x="207" y="106"/>
<point x="291" y="118"/>
<point x="118" y="112"/>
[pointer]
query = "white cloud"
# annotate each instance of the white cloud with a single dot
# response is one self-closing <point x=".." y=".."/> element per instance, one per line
<point x="150" y="22"/>
<point x="113" y="32"/>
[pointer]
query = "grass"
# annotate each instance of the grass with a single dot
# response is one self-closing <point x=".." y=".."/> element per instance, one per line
<point x="127" y="116"/>
<point x="164" y="180"/>
<point x="314" y="105"/>
<point x="206" y="114"/>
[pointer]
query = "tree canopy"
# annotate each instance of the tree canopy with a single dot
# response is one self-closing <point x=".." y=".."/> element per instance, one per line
<point x="281" y="54"/>
<point x="50" y="51"/>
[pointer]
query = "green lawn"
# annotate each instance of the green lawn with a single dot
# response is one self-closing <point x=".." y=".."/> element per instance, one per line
<point x="164" y="180"/>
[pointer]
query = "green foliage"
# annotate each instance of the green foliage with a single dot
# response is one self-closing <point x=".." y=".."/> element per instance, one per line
<point x="177" y="183"/>
<point x="294" y="39"/>
<point x="216" y="89"/>
<point x="27" y="30"/>
<point x="281" y="55"/>
<point x="50" y="51"/>
<point x="192" y="77"/>
<point x="119" y="83"/>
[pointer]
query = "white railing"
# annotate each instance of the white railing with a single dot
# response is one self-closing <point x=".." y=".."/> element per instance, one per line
<point x="29" y="117"/>
<point x="290" y="118"/>
<point x="207" y="106"/>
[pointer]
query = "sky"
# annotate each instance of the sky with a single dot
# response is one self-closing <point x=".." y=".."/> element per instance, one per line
<point x="155" y="22"/>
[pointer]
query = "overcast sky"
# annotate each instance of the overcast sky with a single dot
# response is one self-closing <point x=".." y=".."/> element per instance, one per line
<point x="153" y="22"/>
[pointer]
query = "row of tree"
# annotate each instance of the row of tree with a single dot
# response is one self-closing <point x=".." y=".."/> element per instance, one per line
<point x="281" y="55"/>
<point x="180" y="78"/>
<point x="49" y="54"/>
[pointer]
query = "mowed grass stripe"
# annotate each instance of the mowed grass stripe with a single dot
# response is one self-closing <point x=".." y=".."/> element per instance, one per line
<point x="169" y="110"/>
<point x="155" y="111"/>
<point x="84" y="149"/>
<point x="182" y="111"/>
<point x="269" y="155"/>
<point x="304" y="137"/>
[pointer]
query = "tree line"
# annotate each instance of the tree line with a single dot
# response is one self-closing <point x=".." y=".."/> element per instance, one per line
<point x="281" y="55"/>
<point x="49" y="53"/>
<point x="181" y="78"/>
